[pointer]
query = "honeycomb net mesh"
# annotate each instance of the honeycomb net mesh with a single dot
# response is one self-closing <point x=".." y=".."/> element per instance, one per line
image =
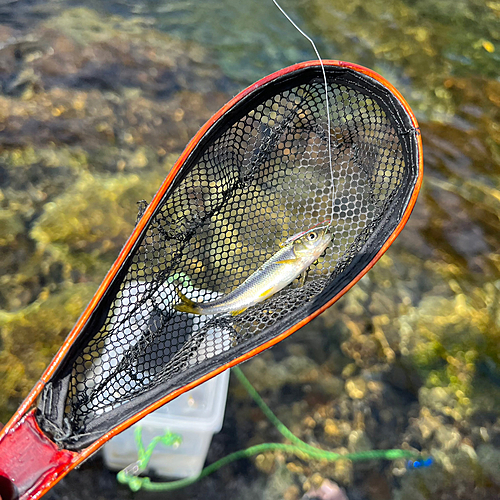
<point x="263" y="177"/>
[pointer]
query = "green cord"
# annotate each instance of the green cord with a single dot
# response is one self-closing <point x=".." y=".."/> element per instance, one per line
<point x="299" y="448"/>
<point x="312" y="450"/>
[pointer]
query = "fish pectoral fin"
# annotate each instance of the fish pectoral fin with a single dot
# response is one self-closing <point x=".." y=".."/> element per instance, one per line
<point x="286" y="261"/>
<point x="239" y="311"/>
<point x="186" y="305"/>
<point x="303" y="277"/>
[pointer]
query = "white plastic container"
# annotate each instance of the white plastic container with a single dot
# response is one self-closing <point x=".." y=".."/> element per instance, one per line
<point x="195" y="416"/>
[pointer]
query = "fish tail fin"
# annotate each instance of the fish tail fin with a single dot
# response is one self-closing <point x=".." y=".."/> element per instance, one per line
<point x="186" y="305"/>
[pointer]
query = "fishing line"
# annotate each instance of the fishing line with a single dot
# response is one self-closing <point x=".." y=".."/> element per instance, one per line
<point x="326" y="101"/>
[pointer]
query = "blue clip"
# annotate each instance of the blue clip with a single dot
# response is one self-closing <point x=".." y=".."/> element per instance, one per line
<point x="419" y="464"/>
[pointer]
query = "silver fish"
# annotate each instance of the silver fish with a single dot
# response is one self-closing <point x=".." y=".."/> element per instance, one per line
<point x="297" y="254"/>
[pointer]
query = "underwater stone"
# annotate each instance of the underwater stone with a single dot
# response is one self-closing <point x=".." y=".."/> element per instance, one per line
<point x="358" y="441"/>
<point x="488" y="458"/>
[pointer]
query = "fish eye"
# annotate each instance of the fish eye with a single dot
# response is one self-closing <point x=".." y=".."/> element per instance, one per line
<point x="312" y="236"/>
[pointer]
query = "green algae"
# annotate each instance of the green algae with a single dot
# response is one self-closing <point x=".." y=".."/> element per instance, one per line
<point x="11" y="225"/>
<point x="418" y="45"/>
<point x="449" y="338"/>
<point x="88" y="222"/>
<point x="30" y="338"/>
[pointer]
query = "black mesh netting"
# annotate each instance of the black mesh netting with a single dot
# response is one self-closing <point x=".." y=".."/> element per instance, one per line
<point x="258" y="176"/>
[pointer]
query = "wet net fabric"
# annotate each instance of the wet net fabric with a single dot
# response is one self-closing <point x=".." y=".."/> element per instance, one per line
<point x="260" y="175"/>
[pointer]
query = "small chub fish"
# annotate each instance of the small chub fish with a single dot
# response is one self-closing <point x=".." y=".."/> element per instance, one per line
<point x="295" y="257"/>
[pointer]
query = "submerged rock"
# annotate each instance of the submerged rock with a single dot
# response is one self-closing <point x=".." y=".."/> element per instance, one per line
<point x="327" y="491"/>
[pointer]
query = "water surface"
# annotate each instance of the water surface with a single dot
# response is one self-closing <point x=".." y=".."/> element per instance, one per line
<point x="97" y="100"/>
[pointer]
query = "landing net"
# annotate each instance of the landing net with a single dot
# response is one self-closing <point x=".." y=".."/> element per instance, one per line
<point x="259" y="175"/>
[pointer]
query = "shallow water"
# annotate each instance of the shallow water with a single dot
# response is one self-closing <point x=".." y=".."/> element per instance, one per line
<point x="99" y="98"/>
